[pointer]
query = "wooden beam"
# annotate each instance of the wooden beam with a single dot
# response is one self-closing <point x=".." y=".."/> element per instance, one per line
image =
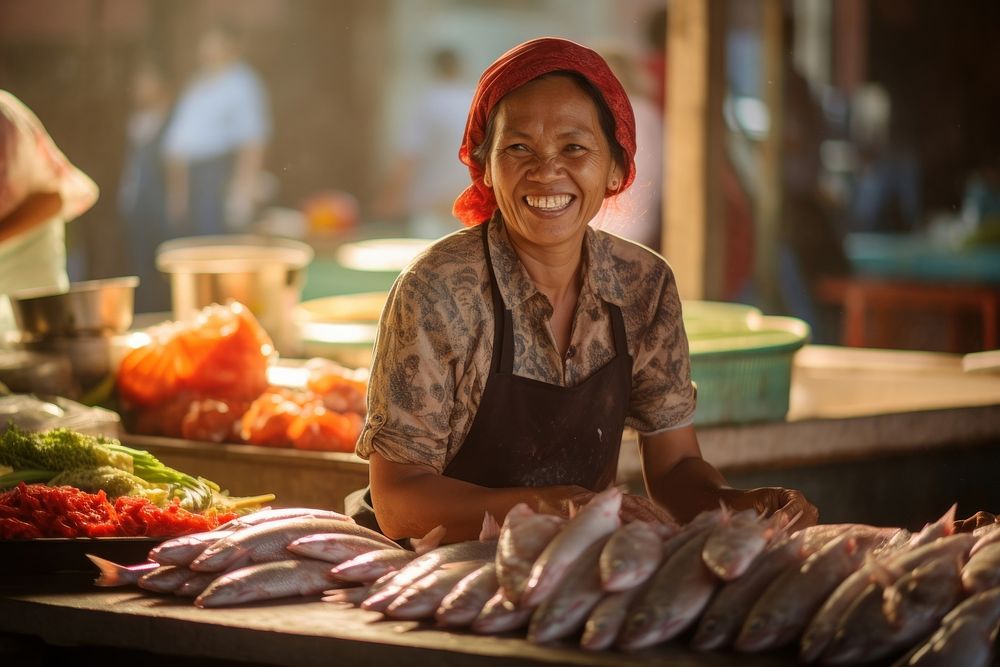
<point x="768" y="213"/>
<point x="691" y="235"/>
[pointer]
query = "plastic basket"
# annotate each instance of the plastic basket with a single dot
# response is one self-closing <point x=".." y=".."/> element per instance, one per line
<point x="745" y="376"/>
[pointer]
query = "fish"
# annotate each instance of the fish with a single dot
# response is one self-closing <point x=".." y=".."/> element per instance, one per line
<point x="596" y="520"/>
<point x="463" y="603"/>
<point x="335" y="547"/>
<point x="269" y="541"/>
<point x="422" y="599"/>
<point x="271" y="514"/>
<point x="966" y="636"/>
<point x="500" y="615"/>
<point x="737" y="540"/>
<point x="368" y="567"/>
<point x="165" y="579"/>
<point x="606" y="619"/>
<point x="789" y="602"/>
<point x="567" y="609"/>
<point x="726" y="613"/>
<point x="631" y="556"/>
<point x="982" y="572"/>
<point x="197" y="584"/>
<point x="677" y="593"/>
<point x="113" y="574"/>
<point x="934" y="541"/>
<point x="352" y="596"/>
<point x="182" y="550"/>
<point x="523" y="537"/>
<point x="919" y="599"/>
<point x="387" y="588"/>
<point x="266" y="581"/>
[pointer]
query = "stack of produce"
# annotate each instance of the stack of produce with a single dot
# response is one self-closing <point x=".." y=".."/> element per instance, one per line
<point x="65" y="479"/>
<point x="846" y="593"/>
<point x="207" y="380"/>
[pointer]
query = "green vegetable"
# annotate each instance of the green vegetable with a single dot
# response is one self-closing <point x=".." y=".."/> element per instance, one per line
<point x="194" y="493"/>
<point x="58" y="449"/>
<point x="115" y="483"/>
<point x="28" y="476"/>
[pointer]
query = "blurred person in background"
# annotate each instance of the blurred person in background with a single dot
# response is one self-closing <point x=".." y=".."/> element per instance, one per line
<point x="40" y="191"/>
<point x="636" y="214"/>
<point x="142" y="193"/>
<point x="425" y="177"/>
<point x="214" y="144"/>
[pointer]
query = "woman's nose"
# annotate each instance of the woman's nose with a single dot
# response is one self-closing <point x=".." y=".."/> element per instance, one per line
<point x="546" y="168"/>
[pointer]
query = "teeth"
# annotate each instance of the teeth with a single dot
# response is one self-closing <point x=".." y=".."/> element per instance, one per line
<point x="550" y="202"/>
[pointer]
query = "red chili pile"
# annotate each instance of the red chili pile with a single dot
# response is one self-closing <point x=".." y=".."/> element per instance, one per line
<point x="35" y="510"/>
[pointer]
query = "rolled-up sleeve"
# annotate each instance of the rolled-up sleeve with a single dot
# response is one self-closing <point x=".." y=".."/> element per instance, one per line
<point x="411" y="391"/>
<point x="663" y="396"/>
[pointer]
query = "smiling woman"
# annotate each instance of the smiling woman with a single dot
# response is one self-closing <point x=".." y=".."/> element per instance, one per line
<point x="511" y="355"/>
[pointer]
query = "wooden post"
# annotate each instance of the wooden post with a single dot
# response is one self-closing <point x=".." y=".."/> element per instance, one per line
<point x="769" y="195"/>
<point x="692" y="231"/>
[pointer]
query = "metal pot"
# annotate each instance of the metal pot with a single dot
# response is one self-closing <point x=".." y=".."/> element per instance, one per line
<point x="90" y="308"/>
<point x="263" y="273"/>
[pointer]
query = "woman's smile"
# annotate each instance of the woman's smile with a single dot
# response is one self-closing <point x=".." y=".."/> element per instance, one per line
<point x="549" y="204"/>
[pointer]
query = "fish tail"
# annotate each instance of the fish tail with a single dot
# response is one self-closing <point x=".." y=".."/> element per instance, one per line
<point x="112" y="574"/>
<point x="490" y="530"/>
<point x="428" y="542"/>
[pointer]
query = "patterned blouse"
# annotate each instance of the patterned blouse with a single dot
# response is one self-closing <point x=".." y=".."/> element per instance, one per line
<point x="435" y="341"/>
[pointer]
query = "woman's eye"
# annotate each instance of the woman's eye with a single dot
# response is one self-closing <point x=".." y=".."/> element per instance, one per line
<point x="517" y="148"/>
<point x="575" y="148"/>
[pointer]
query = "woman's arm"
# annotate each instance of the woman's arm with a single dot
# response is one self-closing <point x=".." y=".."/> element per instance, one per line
<point x="34" y="210"/>
<point x="413" y="499"/>
<point x="685" y="484"/>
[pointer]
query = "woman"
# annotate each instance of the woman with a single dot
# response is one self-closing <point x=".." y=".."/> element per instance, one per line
<point x="40" y="190"/>
<point x="510" y="355"/>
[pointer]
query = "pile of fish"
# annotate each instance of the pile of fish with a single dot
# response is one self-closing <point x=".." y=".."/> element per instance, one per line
<point x="844" y="593"/>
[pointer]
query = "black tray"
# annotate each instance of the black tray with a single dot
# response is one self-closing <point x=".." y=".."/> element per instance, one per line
<point x="68" y="554"/>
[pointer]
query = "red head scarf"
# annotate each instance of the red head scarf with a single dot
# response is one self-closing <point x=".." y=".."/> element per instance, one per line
<point x="522" y="64"/>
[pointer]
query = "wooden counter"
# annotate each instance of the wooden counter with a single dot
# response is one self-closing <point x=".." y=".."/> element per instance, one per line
<point x="69" y="611"/>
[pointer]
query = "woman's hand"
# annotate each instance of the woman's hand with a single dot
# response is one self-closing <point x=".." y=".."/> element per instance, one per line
<point x="787" y="503"/>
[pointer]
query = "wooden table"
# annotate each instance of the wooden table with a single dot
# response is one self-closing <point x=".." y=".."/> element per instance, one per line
<point x="69" y="611"/>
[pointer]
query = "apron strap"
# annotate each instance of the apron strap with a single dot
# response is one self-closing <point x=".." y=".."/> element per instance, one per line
<point x="503" y="322"/>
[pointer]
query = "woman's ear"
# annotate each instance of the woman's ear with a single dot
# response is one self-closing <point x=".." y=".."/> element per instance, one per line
<point x="615" y="179"/>
<point x="487" y="176"/>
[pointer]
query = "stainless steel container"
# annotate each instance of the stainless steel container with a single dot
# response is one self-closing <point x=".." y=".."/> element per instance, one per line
<point x="265" y="274"/>
<point x="90" y="308"/>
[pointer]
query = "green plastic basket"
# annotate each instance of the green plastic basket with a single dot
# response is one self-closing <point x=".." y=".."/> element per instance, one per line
<point x="745" y="376"/>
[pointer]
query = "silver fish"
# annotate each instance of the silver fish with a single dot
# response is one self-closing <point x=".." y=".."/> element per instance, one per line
<point x="269" y="541"/>
<point x="460" y="607"/>
<point x="737" y="541"/>
<point x="500" y="615"/>
<point x="730" y="607"/>
<point x="269" y="514"/>
<point x="523" y="537"/>
<point x="597" y="520"/>
<point x="606" y="619"/>
<point x="197" y="584"/>
<point x="790" y="601"/>
<point x="676" y="595"/>
<point x="884" y="619"/>
<point x="923" y="546"/>
<point x="113" y="574"/>
<point x="567" y="609"/>
<point x="165" y="579"/>
<point x="982" y="572"/>
<point x="182" y="550"/>
<point x="421" y="566"/>
<point x="368" y="567"/>
<point x="631" y="556"/>
<point x="422" y="599"/>
<point x="352" y="596"/>
<point x="335" y="547"/>
<point x="267" y="581"/>
<point x="966" y="636"/>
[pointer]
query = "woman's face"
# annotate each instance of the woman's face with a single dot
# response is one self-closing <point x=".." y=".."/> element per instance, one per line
<point x="550" y="165"/>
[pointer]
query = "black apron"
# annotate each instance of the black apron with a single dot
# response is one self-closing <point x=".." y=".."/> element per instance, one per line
<point x="531" y="433"/>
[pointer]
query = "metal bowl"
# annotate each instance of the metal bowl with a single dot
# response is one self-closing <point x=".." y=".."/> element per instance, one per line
<point x="266" y="274"/>
<point x="92" y="307"/>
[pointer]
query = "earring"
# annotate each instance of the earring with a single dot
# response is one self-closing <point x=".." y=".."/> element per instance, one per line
<point x="613" y="185"/>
